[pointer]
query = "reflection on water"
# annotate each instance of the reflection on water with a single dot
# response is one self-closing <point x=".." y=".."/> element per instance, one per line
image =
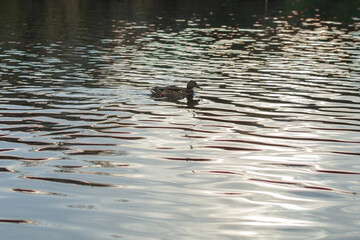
<point x="268" y="147"/>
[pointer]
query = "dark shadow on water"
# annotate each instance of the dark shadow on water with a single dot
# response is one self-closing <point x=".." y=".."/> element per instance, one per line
<point x="190" y="101"/>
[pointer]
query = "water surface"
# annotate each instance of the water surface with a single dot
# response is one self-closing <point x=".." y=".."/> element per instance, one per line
<point x="269" y="148"/>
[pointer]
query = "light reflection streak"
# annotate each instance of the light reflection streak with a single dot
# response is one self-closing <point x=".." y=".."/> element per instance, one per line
<point x="276" y="221"/>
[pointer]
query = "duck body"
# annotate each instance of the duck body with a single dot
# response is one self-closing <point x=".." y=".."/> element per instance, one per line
<point x="174" y="92"/>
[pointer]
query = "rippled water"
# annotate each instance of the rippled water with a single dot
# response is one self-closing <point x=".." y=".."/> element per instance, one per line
<point x="269" y="148"/>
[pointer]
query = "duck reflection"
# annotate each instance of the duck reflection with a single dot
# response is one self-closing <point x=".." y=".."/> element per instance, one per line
<point x="190" y="101"/>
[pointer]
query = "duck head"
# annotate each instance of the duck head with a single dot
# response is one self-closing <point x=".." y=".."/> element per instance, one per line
<point x="192" y="84"/>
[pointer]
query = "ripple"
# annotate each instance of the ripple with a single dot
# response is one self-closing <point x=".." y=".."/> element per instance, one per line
<point x="17" y="221"/>
<point x="188" y="159"/>
<point x="270" y="140"/>
<point x="70" y="181"/>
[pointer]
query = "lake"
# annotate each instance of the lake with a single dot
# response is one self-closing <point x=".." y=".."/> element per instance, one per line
<point x="268" y="148"/>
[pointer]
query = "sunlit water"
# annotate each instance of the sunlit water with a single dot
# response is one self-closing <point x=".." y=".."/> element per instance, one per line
<point x="268" y="149"/>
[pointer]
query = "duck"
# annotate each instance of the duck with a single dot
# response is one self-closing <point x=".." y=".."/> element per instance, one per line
<point x="174" y="92"/>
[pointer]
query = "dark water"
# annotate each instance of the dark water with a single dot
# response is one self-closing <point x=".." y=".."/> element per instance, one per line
<point x="268" y="149"/>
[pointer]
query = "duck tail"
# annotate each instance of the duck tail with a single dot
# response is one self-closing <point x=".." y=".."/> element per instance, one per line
<point x="155" y="91"/>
